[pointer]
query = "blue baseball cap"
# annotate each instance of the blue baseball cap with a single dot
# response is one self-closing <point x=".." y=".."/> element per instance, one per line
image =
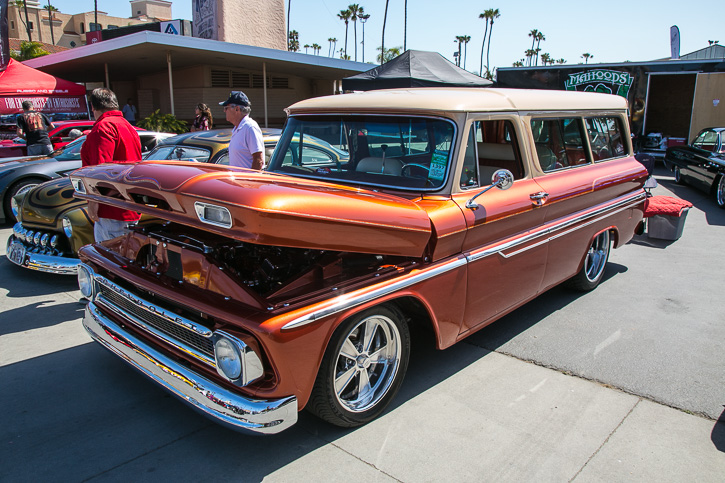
<point x="236" y="97"/>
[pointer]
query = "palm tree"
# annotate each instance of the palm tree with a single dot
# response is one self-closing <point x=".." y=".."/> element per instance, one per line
<point x="29" y="50"/>
<point x="539" y="38"/>
<point x="21" y="4"/>
<point x="293" y="43"/>
<point x="345" y="15"/>
<point x="390" y="54"/>
<point x="466" y="39"/>
<point x="382" y="45"/>
<point x="518" y="63"/>
<point x="355" y="11"/>
<point x="486" y="16"/>
<point x="533" y="34"/>
<point x="494" y="15"/>
<point x="343" y="55"/>
<point x="332" y="41"/>
<point x="316" y="48"/>
<point x="459" y="39"/>
<point x="50" y="8"/>
<point x="289" y="5"/>
<point x="561" y="61"/>
<point x="307" y="46"/>
<point x="363" y="18"/>
<point x="405" y="25"/>
<point x="587" y="56"/>
<point x="529" y="55"/>
<point x="546" y="58"/>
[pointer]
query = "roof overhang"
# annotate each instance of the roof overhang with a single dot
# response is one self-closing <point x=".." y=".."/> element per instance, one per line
<point x="144" y="53"/>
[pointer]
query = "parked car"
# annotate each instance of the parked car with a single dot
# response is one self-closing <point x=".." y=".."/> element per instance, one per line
<point x="702" y="163"/>
<point x="18" y="175"/>
<point x="258" y="294"/>
<point x="53" y="225"/>
<point x="59" y="137"/>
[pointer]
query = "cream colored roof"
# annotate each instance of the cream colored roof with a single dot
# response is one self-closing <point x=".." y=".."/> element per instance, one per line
<point x="463" y="100"/>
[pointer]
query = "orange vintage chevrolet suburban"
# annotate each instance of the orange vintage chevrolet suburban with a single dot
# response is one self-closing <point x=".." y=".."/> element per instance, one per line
<point x="259" y="294"/>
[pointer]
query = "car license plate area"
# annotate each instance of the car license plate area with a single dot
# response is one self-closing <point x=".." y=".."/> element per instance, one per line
<point x="16" y="253"/>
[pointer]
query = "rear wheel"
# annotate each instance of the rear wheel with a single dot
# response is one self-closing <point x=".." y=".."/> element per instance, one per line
<point x="22" y="186"/>
<point x="363" y="367"/>
<point x="678" y="175"/>
<point x="593" y="270"/>
<point x="720" y="191"/>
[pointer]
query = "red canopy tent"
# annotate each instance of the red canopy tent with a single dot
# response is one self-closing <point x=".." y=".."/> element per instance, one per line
<point x="18" y="83"/>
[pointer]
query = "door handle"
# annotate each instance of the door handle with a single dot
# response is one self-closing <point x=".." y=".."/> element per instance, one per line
<point x="538" y="199"/>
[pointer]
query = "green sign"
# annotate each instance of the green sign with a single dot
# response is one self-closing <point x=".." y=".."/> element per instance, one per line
<point x="600" y="80"/>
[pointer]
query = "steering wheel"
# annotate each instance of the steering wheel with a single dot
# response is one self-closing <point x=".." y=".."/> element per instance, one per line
<point x="426" y="168"/>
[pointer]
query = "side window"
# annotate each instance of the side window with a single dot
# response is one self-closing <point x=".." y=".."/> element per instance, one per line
<point x="469" y="174"/>
<point x="559" y="143"/>
<point x="706" y="140"/>
<point x="496" y="148"/>
<point x="605" y="137"/>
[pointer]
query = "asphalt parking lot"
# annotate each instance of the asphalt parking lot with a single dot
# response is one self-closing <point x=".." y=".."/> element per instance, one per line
<point x="625" y="383"/>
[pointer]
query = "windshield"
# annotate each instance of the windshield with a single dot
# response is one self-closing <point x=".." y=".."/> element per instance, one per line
<point x="179" y="153"/>
<point x="398" y="152"/>
<point x="71" y="151"/>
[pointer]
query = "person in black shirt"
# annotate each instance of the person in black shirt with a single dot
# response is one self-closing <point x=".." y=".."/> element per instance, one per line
<point x="33" y="127"/>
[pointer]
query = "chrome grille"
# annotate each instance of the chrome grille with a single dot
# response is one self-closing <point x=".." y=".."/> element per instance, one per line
<point x="177" y="332"/>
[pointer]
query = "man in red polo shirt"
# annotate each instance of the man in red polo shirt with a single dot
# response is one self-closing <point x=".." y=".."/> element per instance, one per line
<point x="112" y="140"/>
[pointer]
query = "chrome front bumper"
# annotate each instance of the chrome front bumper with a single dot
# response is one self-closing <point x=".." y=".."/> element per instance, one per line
<point x="220" y="404"/>
<point x="42" y="262"/>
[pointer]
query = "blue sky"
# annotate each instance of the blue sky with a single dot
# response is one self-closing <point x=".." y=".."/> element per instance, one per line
<point x="612" y="31"/>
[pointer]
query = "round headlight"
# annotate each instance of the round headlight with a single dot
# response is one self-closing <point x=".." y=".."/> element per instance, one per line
<point x="85" y="281"/>
<point x="54" y="241"/>
<point x="36" y="238"/>
<point x="44" y="239"/>
<point x="228" y="359"/>
<point x="67" y="227"/>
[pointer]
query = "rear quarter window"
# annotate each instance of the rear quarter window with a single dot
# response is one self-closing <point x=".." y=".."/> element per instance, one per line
<point x="605" y="137"/>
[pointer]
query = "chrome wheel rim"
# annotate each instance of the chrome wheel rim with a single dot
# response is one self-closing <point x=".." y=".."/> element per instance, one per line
<point x="597" y="257"/>
<point x="678" y="176"/>
<point x="720" y="192"/>
<point x="367" y="363"/>
<point x="25" y="188"/>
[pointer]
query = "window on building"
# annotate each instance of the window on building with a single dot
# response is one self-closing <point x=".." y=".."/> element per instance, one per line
<point x="112" y="26"/>
<point x="30" y="25"/>
<point x="95" y="26"/>
<point x="12" y="25"/>
<point x="83" y="28"/>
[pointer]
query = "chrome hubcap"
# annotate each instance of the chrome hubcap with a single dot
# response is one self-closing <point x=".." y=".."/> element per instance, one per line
<point x="721" y="191"/>
<point x="597" y="257"/>
<point x="367" y="363"/>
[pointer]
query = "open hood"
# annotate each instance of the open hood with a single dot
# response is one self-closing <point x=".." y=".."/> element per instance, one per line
<point x="265" y="208"/>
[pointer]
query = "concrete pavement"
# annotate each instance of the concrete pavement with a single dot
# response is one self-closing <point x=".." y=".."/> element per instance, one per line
<point x="549" y="393"/>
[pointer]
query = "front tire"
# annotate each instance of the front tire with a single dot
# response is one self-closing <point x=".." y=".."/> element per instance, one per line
<point x="363" y="367"/>
<point x="678" y="175"/>
<point x="17" y="188"/>
<point x="720" y="191"/>
<point x="595" y="261"/>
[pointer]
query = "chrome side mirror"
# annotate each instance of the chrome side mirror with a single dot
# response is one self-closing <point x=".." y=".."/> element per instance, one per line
<point x="501" y="179"/>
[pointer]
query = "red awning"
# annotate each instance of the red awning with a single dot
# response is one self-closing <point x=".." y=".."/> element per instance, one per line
<point x="47" y="93"/>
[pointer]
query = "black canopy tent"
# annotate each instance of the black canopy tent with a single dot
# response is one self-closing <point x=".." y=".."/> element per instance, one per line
<point x="414" y="68"/>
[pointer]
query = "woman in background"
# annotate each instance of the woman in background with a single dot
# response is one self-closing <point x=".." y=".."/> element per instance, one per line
<point x="203" y="120"/>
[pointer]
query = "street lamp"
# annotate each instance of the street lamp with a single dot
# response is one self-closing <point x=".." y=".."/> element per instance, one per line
<point x="363" y="18"/>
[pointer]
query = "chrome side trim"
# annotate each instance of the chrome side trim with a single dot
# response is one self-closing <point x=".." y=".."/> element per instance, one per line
<point x="152" y="308"/>
<point x="352" y="299"/>
<point x="346" y="301"/>
<point x="550" y="232"/>
<point x="211" y="399"/>
<point x="106" y="304"/>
